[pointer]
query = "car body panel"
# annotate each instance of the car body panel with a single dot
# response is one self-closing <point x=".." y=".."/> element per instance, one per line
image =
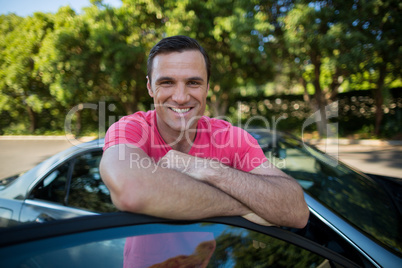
<point x="40" y="211"/>
<point x="9" y="212"/>
<point x="378" y="255"/>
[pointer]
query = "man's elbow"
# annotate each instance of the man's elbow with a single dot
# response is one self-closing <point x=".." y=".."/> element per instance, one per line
<point x="298" y="213"/>
<point x="124" y="197"/>
<point x="302" y="217"/>
<point x="127" y="201"/>
<point x="302" y="213"/>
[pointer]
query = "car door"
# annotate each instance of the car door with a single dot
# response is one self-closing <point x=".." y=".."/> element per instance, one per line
<point x="72" y="189"/>
<point x="131" y="240"/>
<point x="9" y="211"/>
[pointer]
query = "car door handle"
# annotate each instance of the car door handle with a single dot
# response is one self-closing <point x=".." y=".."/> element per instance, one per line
<point x="43" y="217"/>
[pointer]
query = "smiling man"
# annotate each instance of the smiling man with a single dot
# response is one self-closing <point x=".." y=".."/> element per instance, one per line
<point x="174" y="162"/>
<point x="179" y="88"/>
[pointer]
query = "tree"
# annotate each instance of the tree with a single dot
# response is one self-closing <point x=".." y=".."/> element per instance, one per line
<point x="99" y="55"/>
<point x="305" y="38"/>
<point x="232" y="32"/>
<point x="380" y="23"/>
<point x="22" y="89"/>
<point x="349" y="37"/>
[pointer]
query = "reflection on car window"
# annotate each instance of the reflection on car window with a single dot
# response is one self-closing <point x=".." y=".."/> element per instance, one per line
<point x="358" y="199"/>
<point x="87" y="190"/>
<point x="246" y="247"/>
<point x="195" y="245"/>
<point x="53" y="187"/>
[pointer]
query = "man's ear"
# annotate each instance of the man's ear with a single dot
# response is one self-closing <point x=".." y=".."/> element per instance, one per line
<point x="150" y="91"/>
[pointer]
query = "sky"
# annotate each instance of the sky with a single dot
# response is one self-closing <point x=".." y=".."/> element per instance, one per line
<point x="25" y="8"/>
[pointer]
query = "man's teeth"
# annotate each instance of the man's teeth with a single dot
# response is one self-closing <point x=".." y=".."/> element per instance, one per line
<point x="180" y="110"/>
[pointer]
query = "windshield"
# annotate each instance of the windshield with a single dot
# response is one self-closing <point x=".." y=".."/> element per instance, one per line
<point x="7" y="181"/>
<point x="355" y="197"/>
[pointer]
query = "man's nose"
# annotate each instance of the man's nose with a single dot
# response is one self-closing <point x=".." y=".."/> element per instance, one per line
<point x="180" y="94"/>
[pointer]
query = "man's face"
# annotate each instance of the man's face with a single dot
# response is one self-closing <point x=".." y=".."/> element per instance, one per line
<point x="179" y="89"/>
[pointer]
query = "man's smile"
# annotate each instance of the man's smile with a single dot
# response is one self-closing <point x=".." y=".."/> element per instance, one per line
<point x="180" y="110"/>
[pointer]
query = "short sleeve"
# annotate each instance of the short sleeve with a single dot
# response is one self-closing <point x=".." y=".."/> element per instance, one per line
<point x="249" y="154"/>
<point x="127" y="131"/>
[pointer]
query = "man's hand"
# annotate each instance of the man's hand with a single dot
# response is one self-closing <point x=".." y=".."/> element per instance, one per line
<point x="195" y="167"/>
<point x="270" y="196"/>
<point x="257" y="219"/>
<point x="182" y="186"/>
<point x="200" y="169"/>
<point x="161" y="191"/>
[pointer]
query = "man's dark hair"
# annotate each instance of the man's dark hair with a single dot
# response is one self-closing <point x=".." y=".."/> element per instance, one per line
<point x="178" y="43"/>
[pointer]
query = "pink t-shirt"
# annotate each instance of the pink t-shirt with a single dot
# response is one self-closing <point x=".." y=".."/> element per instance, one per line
<point x="215" y="139"/>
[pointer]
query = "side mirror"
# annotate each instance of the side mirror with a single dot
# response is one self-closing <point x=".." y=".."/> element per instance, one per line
<point x="280" y="153"/>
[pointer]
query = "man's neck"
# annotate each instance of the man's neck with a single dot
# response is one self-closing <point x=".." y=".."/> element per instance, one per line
<point x="179" y="140"/>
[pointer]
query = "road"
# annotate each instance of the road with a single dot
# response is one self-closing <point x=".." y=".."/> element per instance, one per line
<point x="21" y="154"/>
<point x="383" y="160"/>
<point x="18" y="155"/>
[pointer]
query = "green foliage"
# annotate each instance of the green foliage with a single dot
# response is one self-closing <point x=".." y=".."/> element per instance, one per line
<point x="229" y="31"/>
<point x="22" y="91"/>
<point x="50" y="63"/>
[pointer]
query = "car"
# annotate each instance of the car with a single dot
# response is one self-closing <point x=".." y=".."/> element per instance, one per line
<point x="102" y="241"/>
<point x="66" y="185"/>
<point x="354" y="215"/>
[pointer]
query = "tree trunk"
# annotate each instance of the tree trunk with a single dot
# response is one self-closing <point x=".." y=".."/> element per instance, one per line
<point x="78" y="123"/>
<point x="32" y="119"/>
<point x="335" y="84"/>
<point x="136" y="97"/>
<point x="319" y="96"/>
<point x="306" y="96"/>
<point x="219" y="104"/>
<point x="379" y="100"/>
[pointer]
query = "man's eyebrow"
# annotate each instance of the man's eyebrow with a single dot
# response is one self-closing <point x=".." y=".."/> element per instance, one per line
<point x="196" y="78"/>
<point x="164" y="78"/>
<point x="168" y="78"/>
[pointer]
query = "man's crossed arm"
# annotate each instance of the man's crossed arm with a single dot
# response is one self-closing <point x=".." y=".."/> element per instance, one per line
<point x="181" y="186"/>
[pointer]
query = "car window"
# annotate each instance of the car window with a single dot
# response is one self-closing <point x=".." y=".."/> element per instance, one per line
<point x="359" y="200"/>
<point x="167" y="245"/>
<point x="53" y="186"/>
<point x="86" y="189"/>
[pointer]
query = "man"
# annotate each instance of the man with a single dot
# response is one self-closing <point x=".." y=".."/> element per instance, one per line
<point x="173" y="162"/>
<point x="155" y="163"/>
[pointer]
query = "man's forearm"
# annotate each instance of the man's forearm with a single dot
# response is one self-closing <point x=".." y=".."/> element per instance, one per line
<point x="163" y="192"/>
<point x="171" y="194"/>
<point x="277" y="199"/>
<point x="270" y="193"/>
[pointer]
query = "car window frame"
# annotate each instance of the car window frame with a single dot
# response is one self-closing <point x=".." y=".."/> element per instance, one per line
<point x="274" y="141"/>
<point x="23" y="235"/>
<point x="70" y="161"/>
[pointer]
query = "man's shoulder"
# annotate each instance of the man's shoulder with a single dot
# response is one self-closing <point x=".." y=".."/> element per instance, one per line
<point x="214" y="123"/>
<point x="139" y="117"/>
<point x="219" y="124"/>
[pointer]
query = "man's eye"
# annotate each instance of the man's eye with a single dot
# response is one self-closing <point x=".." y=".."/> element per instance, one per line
<point x="166" y="83"/>
<point x="193" y="83"/>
